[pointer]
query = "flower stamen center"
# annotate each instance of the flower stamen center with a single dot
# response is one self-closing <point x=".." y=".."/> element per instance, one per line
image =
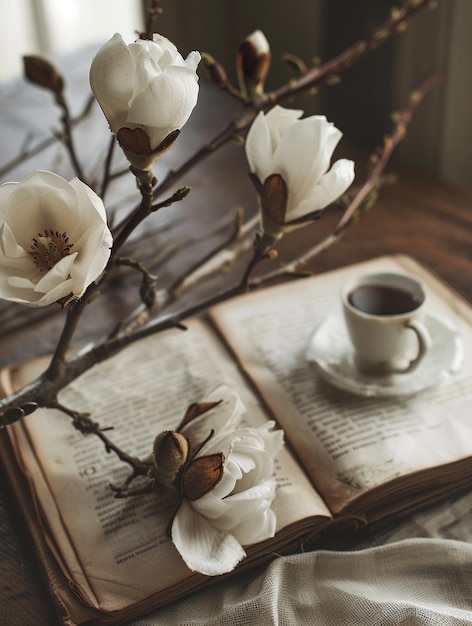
<point x="49" y="248"/>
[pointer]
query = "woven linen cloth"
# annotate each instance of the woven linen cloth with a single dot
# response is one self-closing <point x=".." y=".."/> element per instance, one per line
<point x="418" y="572"/>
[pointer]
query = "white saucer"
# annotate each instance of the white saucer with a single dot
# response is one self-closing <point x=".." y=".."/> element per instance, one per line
<point x="331" y="351"/>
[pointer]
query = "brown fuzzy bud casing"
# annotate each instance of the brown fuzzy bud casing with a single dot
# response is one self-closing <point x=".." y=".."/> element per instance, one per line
<point x="253" y="62"/>
<point x="202" y="475"/>
<point x="170" y="451"/>
<point x="43" y="73"/>
<point x="137" y="148"/>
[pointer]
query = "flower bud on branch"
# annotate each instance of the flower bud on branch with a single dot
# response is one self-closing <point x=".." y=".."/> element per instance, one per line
<point x="253" y="62"/>
<point x="147" y="92"/>
<point x="289" y="159"/>
<point x="170" y="452"/>
<point x="43" y="73"/>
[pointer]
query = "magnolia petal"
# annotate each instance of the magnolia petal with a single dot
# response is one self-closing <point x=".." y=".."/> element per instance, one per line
<point x="211" y="506"/>
<point x="203" y="548"/>
<point x="5" y="190"/>
<point x="150" y="59"/>
<point x="193" y="59"/>
<point x="56" y="275"/>
<point x="165" y="44"/>
<point x="42" y="200"/>
<point x="86" y="272"/>
<point x="279" y="120"/>
<point x="242" y="506"/>
<point x="332" y="185"/>
<point x="52" y="280"/>
<point x="229" y="479"/>
<point x="46" y="183"/>
<point x="61" y="291"/>
<point x="173" y="94"/>
<point x="273" y="439"/>
<point x="18" y="294"/>
<point x="244" y="511"/>
<point x="91" y="263"/>
<point x="262" y="468"/>
<point x="20" y="282"/>
<point x="111" y="72"/>
<point x="259" y="148"/>
<point x="22" y="291"/>
<point x="263" y="490"/>
<point x="84" y="193"/>
<point x="11" y="254"/>
<point x="263" y="137"/>
<point x="304" y="155"/>
<point x="257" y="527"/>
<point x="245" y="462"/>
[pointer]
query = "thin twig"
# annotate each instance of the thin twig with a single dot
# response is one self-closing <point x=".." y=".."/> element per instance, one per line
<point x="134" y="220"/>
<point x="382" y="33"/>
<point x="235" y="233"/>
<point x="67" y="136"/>
<point x="74" y="313"/>
<point x="26" y="154"/>
<point x="152" y="15"/>
<point x="87" y="426"/>
<point x="397" y="21"/>
<point x="106" y="170"/>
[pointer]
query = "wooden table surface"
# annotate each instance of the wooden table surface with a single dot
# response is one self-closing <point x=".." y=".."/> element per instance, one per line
<point x="416" y="215"/>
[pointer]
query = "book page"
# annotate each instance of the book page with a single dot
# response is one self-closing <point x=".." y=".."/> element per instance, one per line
<point x="117" y="552"/>
<point x="347" y="444"/>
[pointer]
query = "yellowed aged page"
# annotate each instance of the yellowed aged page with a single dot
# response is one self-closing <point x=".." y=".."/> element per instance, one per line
<point x="348" y="444"/>
<point x="117" y="552"/>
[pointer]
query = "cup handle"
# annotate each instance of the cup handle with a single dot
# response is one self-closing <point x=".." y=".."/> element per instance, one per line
<point x="424" y="344"/>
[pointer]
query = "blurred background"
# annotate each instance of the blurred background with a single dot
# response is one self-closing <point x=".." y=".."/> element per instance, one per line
<point x="439" y="139"/>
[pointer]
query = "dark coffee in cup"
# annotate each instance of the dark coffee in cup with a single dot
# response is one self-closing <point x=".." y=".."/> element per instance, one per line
<point x="384" y="315"/>
<point x="383" y="300"/>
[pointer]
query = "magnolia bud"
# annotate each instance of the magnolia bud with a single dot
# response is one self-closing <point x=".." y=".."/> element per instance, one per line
<point x="145" y="117"/>
<point x="216" y="70"/>
<point x="253" y="63"/>
<point x="43" y="73"/>
<point x="170" y="452"/>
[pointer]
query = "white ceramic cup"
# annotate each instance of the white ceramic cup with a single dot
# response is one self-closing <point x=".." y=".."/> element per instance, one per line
<point x="384" y="315"/>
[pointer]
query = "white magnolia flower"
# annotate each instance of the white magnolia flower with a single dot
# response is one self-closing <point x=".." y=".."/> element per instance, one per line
<point x="54" y="239"/>
<point x="145" y="85"/>
<point x="210" y="532"/>
<point x="289" y="160"/>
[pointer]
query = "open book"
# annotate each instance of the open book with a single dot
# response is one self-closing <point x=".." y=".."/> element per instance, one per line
<point x="349" y="461"/>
